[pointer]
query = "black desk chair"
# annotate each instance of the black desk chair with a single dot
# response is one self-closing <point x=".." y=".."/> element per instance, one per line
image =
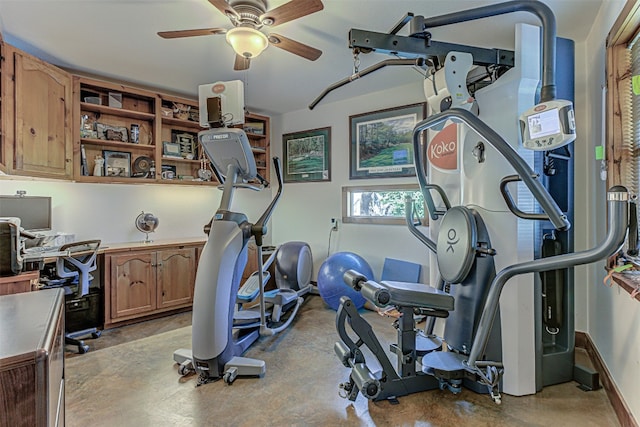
<point x="77" y="268"/>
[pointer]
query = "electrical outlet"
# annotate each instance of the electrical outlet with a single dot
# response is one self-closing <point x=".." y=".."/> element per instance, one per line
<point x="334" y="223"/>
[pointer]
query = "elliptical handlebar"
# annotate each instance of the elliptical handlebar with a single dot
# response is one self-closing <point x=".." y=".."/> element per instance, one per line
<point x="259" y="229"/>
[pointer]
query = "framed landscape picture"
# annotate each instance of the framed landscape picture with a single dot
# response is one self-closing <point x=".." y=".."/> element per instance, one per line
<point x="307" y="155"/>
<point x="382" y="142"/>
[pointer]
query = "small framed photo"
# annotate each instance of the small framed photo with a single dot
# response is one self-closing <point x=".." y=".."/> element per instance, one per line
<point x="171" y="149"/>
<point x="187" y="145"/>
<point x="117" y="163"/>
<point x="307" y="155"/>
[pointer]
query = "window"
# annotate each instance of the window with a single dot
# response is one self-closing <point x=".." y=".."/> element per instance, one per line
<point x="623" y="109"/>
<point x="381" y="204"/>
<point x="623" y="101"/>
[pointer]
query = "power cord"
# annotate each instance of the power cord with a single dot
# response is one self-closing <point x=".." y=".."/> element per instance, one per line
<point x="331" y="230"/>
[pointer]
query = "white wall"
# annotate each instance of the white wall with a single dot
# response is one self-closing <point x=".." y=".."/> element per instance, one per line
<point x="108" y="211"/>
<point x="612" y="317"/>
<point x="306" y="209"/>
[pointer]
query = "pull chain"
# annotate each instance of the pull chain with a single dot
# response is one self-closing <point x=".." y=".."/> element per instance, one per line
<point x="356" y="61"/>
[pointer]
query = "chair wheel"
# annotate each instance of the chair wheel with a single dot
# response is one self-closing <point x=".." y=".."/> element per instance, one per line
<point x="96" y="334"/>
<point x="82" y="349"/>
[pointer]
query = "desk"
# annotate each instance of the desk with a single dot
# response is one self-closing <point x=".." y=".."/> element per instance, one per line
<point x="32" y="359"/>
<point x="24" y="282"/>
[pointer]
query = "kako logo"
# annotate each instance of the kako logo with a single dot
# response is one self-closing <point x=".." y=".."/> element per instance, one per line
<point x="218" y="88"/>
<point x="442" y="151"/>
<point x="452" y="239"/>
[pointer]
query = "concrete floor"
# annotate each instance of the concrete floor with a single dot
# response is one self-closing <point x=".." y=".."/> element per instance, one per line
<point x="129" y="379"/>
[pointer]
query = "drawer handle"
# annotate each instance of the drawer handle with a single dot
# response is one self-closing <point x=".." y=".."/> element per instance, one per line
<point x="136" y="282"/>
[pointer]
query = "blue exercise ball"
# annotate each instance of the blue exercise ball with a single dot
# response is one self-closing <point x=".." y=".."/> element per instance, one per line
<point x="331" y="286"/>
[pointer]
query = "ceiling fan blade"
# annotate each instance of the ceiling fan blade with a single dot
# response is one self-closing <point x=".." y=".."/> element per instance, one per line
<point x="225" y="8"/>
<point x="289" y="11"/>
<point x="241" y="63"/>
<point x="294" y="47"/>
<point x="191" y="33"/>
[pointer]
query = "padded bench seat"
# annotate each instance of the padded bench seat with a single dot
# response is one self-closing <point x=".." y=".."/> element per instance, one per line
<point x="418" y="295"/>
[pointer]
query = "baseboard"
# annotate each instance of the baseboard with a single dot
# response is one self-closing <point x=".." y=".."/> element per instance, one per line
<point x="583" y="340"/>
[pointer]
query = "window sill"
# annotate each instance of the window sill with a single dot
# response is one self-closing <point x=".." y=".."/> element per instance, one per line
<point x="629" y="283"/>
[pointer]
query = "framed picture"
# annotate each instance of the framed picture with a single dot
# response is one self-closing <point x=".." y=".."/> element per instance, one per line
<point x="382" y="142"/>
<point x="117" y="163"/>
<point x="187" y="145"/>
<point x="171" y="149"/>
<point x="307" y="155"/>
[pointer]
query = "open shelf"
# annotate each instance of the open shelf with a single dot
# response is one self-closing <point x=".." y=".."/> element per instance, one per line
<point x="120" y="112"/>
<point x="118" y="144"/>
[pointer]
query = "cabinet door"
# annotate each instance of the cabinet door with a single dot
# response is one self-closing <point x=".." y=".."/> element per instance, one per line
<point x="43" y="95"/>
<point x="176" y="276"/>
<point x="133" y="284"/>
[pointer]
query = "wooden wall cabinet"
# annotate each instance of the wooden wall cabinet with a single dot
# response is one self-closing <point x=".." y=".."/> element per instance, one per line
<point x="3" y="116"/>
<point x="104" y="114"/>
<point x="257" y="128"/>
<point x="36" y="116"/>
<point x="47" y="113"/>
<point x="142" y="283"/>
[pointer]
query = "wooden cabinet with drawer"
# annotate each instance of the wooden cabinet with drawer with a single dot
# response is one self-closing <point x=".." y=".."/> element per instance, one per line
<point x="141" y="283"/>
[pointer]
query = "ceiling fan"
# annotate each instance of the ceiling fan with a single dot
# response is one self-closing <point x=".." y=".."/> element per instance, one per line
<point x="248" y="18"/>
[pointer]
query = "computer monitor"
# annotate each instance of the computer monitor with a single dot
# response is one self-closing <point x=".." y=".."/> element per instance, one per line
<point x="34" y="211"/>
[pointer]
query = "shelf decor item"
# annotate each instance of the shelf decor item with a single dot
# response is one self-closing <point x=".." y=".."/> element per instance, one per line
<point x="171" y="149"/>
<point x="147" y="223"/>
<point x="381" y="142"/>
<point x="142" y="166"/>
<point x="115" y="100"/>
<point x="117" y="163"/>
<point x="187" y="145"/>
<point x="307" y="155"/>
<point x="112" y="133"/>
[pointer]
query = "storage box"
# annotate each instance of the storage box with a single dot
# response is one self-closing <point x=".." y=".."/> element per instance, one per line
<point x="115" y="99"/>
<point x="93" y="100"/>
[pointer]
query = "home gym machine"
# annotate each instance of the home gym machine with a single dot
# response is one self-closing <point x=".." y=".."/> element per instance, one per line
<point x="496" y="341"/>
<point x="220" y="332"/>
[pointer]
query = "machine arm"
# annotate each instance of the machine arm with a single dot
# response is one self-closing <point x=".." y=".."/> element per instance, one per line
<point x="417" y="62"/>
<point x="618" y="219"/>
<point x="542" y="11"/>
<point x="421" y="46"/>
<point x="557" y="218"/>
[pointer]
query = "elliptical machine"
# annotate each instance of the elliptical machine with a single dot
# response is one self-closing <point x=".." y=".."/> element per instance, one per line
<point x="217" y="345"/>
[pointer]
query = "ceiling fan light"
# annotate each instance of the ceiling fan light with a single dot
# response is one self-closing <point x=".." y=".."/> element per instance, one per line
<point x="246" y="41"/>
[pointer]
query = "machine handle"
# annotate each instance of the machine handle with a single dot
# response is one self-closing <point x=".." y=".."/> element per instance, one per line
<point x="415" y="62"/>
<point x="408" y="211"/>
<point x="632" y="244"/>
<point x="512" y="205"/>
<point x="556" y="216"/>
